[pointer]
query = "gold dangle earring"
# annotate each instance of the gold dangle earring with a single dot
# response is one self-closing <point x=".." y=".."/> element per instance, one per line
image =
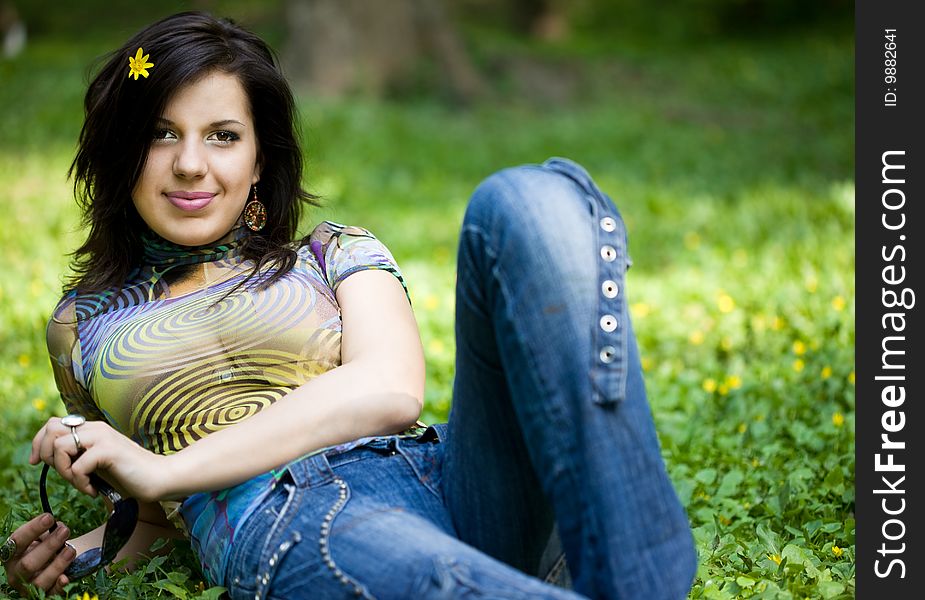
<point x="255" y="213"/>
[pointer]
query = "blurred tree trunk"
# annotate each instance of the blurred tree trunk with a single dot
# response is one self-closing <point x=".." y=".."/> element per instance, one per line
<point x="373" y="47"/>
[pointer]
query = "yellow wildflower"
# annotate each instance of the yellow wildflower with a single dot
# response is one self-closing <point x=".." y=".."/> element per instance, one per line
<point x="24" y="360"/>
<point x="742" y="428"/>
<point x="775" y="557"/>
<point x="431" y="302"/>
<point x="838" y="303"/>
<point x="799" y="348"/>
<point x="777" y="323"/>
<point x="723" y="389"/>
<point x="755" y="463"/>
<point x="725" y="520"/>
<point x="696" y="337"/>
<point x="725" y="303"/>
<point x="733" y="381"/>
<point x="39" y="404"/>
<point x="87" y="596"/>
<point x="709" y="385"/>
<point x="640" y="310"/>
<point x="798" y="365"/>
<point x="138" y="65"/>
<point x="838" y="419"/>
<point x="646" y="363"/>
<point x="851" y="377"/>
<point x="837" y="551"/>
<point x="826" y="372"/>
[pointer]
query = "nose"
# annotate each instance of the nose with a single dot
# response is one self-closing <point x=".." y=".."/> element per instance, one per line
<point x="190" y="160"/>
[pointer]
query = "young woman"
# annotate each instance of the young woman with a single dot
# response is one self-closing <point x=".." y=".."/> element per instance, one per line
<point x="261" y="395"/>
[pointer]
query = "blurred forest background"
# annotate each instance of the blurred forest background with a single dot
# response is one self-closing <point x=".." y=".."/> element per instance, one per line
<point x="722" y="129"/>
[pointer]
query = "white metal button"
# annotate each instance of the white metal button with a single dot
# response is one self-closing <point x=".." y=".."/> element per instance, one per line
<point x="608" y="353"/>
<point x="608" y="224"/>
<point x="610" y="289"/>
<point x="608" y="323"/>
<point x="608" y="253"/>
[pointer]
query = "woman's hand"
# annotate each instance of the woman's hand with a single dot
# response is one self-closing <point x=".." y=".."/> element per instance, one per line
<point x="132" y="470"/>
<point x="40" y="557"/>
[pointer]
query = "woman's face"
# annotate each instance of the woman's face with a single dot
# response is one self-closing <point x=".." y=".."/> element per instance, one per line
<point x="202" y="163"/>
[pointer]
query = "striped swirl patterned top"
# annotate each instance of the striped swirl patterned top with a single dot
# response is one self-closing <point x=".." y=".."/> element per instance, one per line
<point x="167" y="364"/>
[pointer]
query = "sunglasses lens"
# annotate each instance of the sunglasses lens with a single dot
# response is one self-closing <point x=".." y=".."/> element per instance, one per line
<point x="119" y="527"/>
<point x="84" y="564"/>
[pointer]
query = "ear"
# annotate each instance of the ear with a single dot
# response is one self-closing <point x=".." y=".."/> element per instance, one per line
<point x="258" y="168"/>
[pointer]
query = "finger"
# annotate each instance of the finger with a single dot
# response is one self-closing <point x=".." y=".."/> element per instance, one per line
<point x="35" y="560"/>
<point x="50" y="575"/>
<point x="65" y="451"/>
<point x="36" y="444"/>
<point x="53" y="430"/>
<point x="58" y="589"/>
<point x="30" y="531"/>
<point x="81" y="468"/>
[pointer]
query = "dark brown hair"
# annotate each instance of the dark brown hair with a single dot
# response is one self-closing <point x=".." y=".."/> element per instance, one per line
<point x="120" y="121"/>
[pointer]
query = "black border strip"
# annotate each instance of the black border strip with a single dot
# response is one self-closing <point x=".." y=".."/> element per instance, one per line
<point x="889" y="364"/>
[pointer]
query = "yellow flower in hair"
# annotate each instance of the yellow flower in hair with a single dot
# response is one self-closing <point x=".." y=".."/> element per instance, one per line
<point x="138" y="64"/>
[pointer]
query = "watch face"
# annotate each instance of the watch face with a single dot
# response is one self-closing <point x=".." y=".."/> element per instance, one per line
<point x="73" y="420"/>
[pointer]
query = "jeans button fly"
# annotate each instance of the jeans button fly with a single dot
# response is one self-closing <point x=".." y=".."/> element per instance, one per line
<point x="608" y="323"/>
<point x="608" y="253"/>
<point x="608" y="224"/>
<point x="607" y="354"/>
<point x="610" y="289"/>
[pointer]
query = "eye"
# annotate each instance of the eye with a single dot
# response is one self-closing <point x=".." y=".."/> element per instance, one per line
<point x="162" y="134"/>
<point x="225" y="137"/>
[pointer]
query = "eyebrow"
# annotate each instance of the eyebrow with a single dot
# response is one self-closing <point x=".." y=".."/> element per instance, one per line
<point x="222" y="123"/>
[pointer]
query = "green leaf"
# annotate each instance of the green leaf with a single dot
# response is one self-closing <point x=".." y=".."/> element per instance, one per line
<point x="730" y="483"/>
<point x="830" y="589"/>
<point x="706" y="476"/>
<point x="745" y="582"/>
<point x="213" y="593"/>
<point x="177" y="591"/>
<point x="768" y="538"/>
<point x="783" y="495"/>
<point x="835" y="478"/>
<point x="177" y="577"/>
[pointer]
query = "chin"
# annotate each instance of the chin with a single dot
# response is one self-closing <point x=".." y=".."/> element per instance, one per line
<point x="191" y="237"/>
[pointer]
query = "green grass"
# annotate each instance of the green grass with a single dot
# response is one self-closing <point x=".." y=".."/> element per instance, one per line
<point x="732" y="163"/>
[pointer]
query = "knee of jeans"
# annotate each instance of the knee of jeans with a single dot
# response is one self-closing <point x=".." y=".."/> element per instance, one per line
<point x="528" y="195"/>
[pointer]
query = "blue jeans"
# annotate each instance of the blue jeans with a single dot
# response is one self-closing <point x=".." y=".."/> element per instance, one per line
<point x="550" y="444"/>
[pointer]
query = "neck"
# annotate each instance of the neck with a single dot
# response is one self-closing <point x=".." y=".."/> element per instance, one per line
<point x="160" y="252"/>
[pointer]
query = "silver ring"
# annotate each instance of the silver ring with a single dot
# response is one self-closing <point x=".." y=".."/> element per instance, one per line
<point x="74" y="421"/>
<point x="8" y="550"/>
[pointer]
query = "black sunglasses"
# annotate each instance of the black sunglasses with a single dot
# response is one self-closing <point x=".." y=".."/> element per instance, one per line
<point x="119" y="527"/>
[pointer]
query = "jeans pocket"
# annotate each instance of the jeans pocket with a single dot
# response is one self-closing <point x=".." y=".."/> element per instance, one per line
<point x="426" y="461"/>
<point x="254" y="566"/>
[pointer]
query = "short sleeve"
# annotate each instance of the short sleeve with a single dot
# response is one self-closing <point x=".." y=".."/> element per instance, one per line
<point x="64" y="352"/>
<point x="342" y="250"/>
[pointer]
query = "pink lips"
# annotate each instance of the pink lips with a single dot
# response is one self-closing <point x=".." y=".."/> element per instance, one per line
<point x="190" y="200"/>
